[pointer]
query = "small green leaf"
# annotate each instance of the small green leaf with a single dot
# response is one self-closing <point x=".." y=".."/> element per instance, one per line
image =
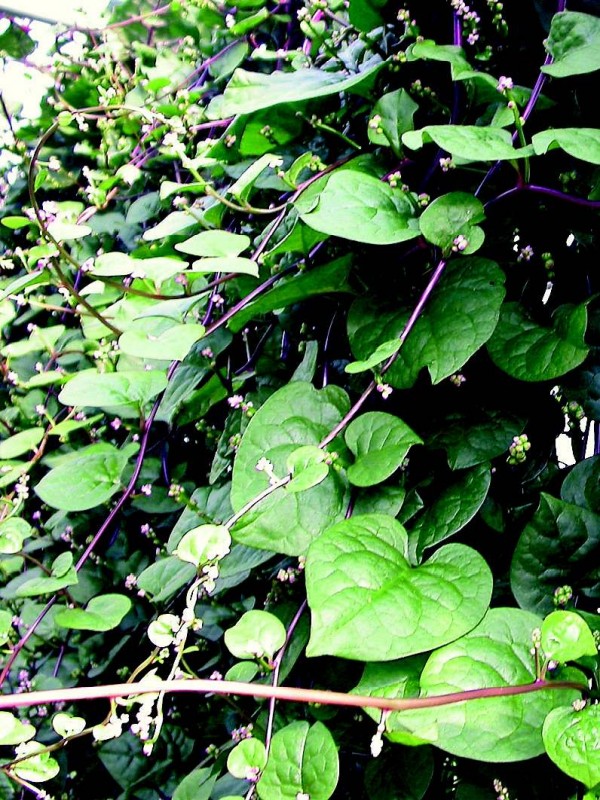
<point x="368" y="603"/>
<point x="21" y="443"/>
<point x="236" y="264"/>
<point x="532" y="352"/>
<point x="257" y="634"/>
<point x="63" y="231"/>
<point x="15" y="222"/>
<point x="13" y="532"/>
<point x="450" y="216"/>
<point x="247" y="759"/>
<point x="175" y="224"/>
<point x="566" y="637"/>
<point x="38" y="767"/>
<point x="394" y="114"/>
<point x="102" y="613"/>
<point x="307" y="466"/>
<point x="470" y="142"/>
<point x="574" y="44"/>
<point x="379" y="443"/>
<point x="359" y="207"/>
<point x="172" y="344"/>
<point x="13" y="731"/>
<point x="380" y="354"/>
<point x="204" y="544"/>
<point x="572" y="741"/>
<point x="303" y="762"/>
<point x="162" y="630"/>
<point x="582" y="143"/>
<point x="215" y="244"/>
<point x="67" y="725"/>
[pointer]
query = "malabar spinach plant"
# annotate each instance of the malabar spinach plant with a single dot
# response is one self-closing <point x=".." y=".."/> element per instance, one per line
<point x="296" y="300"/>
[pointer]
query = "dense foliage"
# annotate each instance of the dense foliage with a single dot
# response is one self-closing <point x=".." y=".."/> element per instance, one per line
<point x="295" y="301"/>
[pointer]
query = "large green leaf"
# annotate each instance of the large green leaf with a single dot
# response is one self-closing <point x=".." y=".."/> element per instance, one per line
<point x="582" y="485"/>
<point x="582" y="143"/>
<point x="257" y="634"/>
<point x="295" y="415"/>
<point x="83" y="482"/>
<point x="557" y="547"/>
<point x="380" y="443"/>
<point x="359" y="207"/>
<point x="394" y="112"/>
<point x="127" y="388"/>
<point x="303" y="762"/>
<point x="574" y="44"/>
<point x="572" y="740"/>
<point x="453" y="508"/>
<point x="469" y="142"/>
<point x="21" y="443"/>
<point x="215" y="244"/>
<point x="532" y="352"/>
<point x="248" y="92"/>
<point x="496" y="653"/>
<point x="162" y="341"/>
<point x="369" y="604"/>
<point x="461" y="316"/>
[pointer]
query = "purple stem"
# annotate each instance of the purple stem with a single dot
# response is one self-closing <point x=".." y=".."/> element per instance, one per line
<point x="545" y="190"/>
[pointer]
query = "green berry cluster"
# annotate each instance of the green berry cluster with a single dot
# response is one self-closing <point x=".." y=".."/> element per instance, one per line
<point x="518" y="449"/>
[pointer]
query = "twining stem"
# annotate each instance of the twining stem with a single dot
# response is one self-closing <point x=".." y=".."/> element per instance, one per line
<point x="289" y="693"/>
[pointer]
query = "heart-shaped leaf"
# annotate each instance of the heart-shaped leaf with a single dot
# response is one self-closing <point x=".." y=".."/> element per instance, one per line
<point x="532" y="352"/>
<point x="380" y="443"/>
<point x="257" y="634"/>
<point x="567" y="637"/>
<point x="235" y="264"/>
<point x="13" y="532"/>
<point x="471" y="142"/>
<point x="13" y="731"/>
<point x="39" y="766"/>
<point x="204" y="544"/>
<point x="574" y="44"/>
<point x="303" y="762"/>
<point x="91" y="388"/>
<point x="451" y="216"/>
<point x="102" y="613"/>
<point x="572" y="740"/>
<point x="582" y="143"/>
<point x="247" y="759"/>
<point x="368" y="603"/>
<point x="215" y="244"/>
<point x="287" y="522"/>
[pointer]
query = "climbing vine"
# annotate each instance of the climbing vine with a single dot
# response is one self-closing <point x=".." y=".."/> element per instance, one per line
<point x="299" y="429"/>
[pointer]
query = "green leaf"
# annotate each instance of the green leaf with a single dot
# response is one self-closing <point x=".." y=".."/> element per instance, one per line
<point x="236" y="264"/>
<point x="6" y="627"/>
<point x="460" y="317"/>
<point x="395" y="112"/>
<point x="581" y="487"/>
<point x="257" y="634"/>
<point x="15" y="42"/>
<point x="67" y="725"/>
<point x="379" y="443"/>
<point x="172" y="344"/>
<point x="359" y="207"/>
<point x="62" y="575"/>
<point x="476" y="437"/>
<point x="295" y="415"/>
<point x="402" y="773"/>
<point x="157" y="270"/>
<point x="532" y="352"/>
<point x="126" y="388"/>
<point x="450" y="216"/>
<point x="64" y="231"/>
<point x="163" y="579"/>
<point x="161" y="631"/>
<point x="495" y="729"/>
<point x="571" y="741"/>
<point x="248" y="92"/>
<point x="566" y="637"/>
<point x="175" y="223"/>
<point x="38" y="767"/>
<point x="328" y="278"/>
<point x="84" y="482"/>
<point x="13" y="532"/>
<point x="582" y="143"/>
<point x="368" y="603"/>
<point x="15" y="222"/>
<point x="470" y="142"/>
<point x="215" y="244"/>
<point x="303" y="760"/>
<point x="366" y="14"/>
<point x="379" y="355"/>
<point x="247" y="759"/>
<point x="204" y="544"/>
<point x="13" y="731"/>
<point x="102" y="613"/>
<point x="556" y="548"/>
<point x="574" y="44"/>
<point x="198" y="785"/>
<point x="306" y="464"/>
<point x="453" y="508"/>
<point x="21" y="443"/>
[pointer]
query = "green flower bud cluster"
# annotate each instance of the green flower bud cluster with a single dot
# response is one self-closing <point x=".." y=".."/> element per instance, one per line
<point x="518" y="449"/>
<point x="562" y="595"/>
